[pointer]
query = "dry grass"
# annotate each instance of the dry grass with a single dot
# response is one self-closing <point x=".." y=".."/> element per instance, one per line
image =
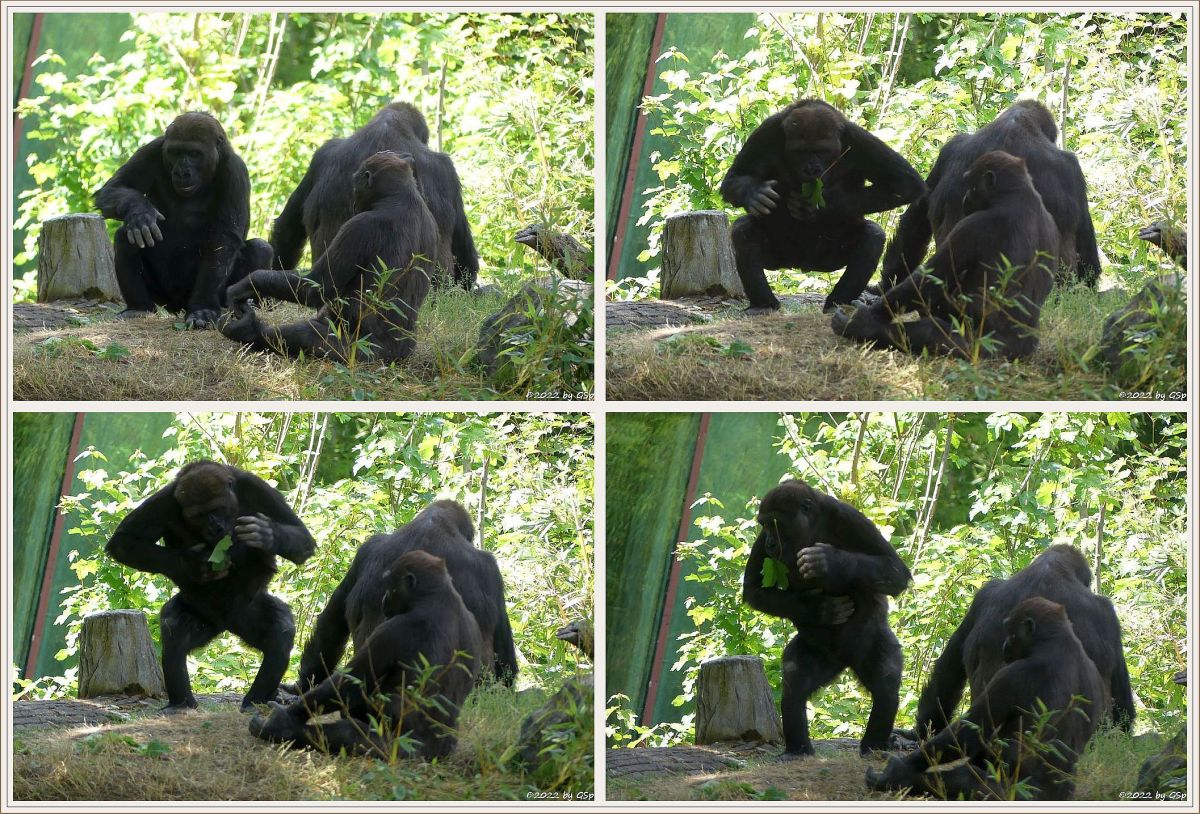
<point x="210" y="755"/>
<point x="1108" y="767"/>
<point x="793" y="354"/>
<point x="152" y="359"/>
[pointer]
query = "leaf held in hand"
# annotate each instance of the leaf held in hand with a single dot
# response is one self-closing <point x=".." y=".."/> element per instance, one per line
<point x="812" y="191"/>
<point x="775" y="574"/>
<point x="220" y="553"/>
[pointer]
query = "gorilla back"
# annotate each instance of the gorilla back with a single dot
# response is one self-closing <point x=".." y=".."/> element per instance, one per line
<point x="354" y="611"/>
<point x="324" y="200"/>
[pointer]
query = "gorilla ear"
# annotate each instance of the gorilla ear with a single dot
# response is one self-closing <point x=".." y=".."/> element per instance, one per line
<point x="410" y="580"/>
<point x="1028" y="627"/>
<point x="367" y="177"/>
<point x="989" y="179"/>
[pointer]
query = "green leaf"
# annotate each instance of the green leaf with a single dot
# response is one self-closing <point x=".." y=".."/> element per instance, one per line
<point x="220" y="553"/>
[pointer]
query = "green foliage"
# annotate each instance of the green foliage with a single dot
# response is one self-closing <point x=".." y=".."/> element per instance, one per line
<point x="965" y="498"/>
<point x="916" y="80"/>
<point x="509" y="96"/>
<point x="353" y="475"/>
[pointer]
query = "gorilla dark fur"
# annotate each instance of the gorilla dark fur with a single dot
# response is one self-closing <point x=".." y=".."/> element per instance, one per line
<point x="1026" y="130"/>
<point x="1005" y="730"/>
<point x="443" y="529"/>
<point x="206" y="503"/>
<point x="806" y="177"/>
<point x="184" y="199"/>
<point x="840" y="572"/>
<point x="369" y="284"/>
<point x="985" y="285"/>
<point x="324" y="200"/>
<point x="425" y="626"/>
<point x="973" y="653"/>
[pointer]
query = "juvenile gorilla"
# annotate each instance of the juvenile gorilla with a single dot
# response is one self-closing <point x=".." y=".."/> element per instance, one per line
<point x="973" y="653"/>
<point x="1027" y="131"/>
<point x="803" y="177"/>
<point x="206" y="503"/>
<point x="425" y="627"/>
<point x="369" y="284"/>
<point x="443" y="529"/>
<point x="185" y="202"/>
<point x="324" y="199"/>
<point x="840" y="572"/>
<point x="1044" y="664"/>
<point x="986" y="284"/>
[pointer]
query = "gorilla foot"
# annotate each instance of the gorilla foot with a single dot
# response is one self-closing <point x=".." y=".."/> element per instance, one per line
<point x="799" y="754"/>
<point x="134" y="313"/>
<point x="758" y="310"/>
<point x="180" y="708"/>
<point x="840" y="319"/>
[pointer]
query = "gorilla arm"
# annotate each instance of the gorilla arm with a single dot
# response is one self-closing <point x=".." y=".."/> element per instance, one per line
<point x="135" y="542"/>
<point x="123" y="197"/>
<point x="894" y="182"/>
<point x="220" y="247"/>
<point x="751" y="180"/>
<point x="859" y="561"/>
<point x="799" y="606"/>
<point x="267" y="522"/>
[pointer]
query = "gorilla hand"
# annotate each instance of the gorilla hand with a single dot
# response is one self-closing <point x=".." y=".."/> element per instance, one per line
<point x="241" y="325"/>
<point x="141" y="227"/>
<point x="256" y="531"/>
<point x="835" y="610"/>
<point x="763" y="199"/>
<point x="896" y="775"/>
<point x="817" y="561"/>
<point x="202" y="317"/>
<point x="240" y="292"/>
<point x="282" y="726"/>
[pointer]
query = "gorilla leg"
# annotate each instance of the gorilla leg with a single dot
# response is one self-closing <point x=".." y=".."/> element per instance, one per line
<point x="254" y="254"/>
<point x="804" y="672"/>
<point x="909" y="244"/>
<point x="750" y="242"/>
<point x="182" y="632"/>
<point x="865" y="242"/>
<point x="323" y="652"/>
<point x="266" y="625"/>
<point x="880" y="674"/>
<point x="131" y="274"/>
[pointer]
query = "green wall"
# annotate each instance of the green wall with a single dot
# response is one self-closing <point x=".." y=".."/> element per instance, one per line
<point x="628" y="38"/>
<point x="649" y="458"/>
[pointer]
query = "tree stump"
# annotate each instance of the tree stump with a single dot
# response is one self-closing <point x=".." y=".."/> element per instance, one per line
<point x="734" y="703"/>
<point x="75" y="260"/>
<point x="116" y="656"/>
<point x="697" y="257"/>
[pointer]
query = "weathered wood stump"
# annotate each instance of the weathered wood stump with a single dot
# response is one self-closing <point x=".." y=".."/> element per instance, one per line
<point x="697" y="257"/>
<point x="734" y="703"/>
<point x="75" y="260"/>
<point x="116" y="656"/>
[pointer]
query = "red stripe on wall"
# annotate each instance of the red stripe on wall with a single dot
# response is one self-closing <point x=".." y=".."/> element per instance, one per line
<point x="635" y="149"/>
<point x="35" y="38"/>
<point x="39" y="619"/>
<point x="685" y="526"/>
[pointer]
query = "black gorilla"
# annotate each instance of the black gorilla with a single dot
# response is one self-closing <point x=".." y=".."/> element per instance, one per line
<point x="1026" y="130"/>
<point x="206" y="503"/>
<point x="324" y="199"/>
<point x="1004" y="731"/>
<point x="443" y="529"/>
<point x="974" y="652"/>
<point x="185" y="202"/>
<point x="410" y="677"/>
<point x="368" y="285"/>
<point x="818" y="164"/>
<point x="985" y="286"/>
<point x="840" y="572"/>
